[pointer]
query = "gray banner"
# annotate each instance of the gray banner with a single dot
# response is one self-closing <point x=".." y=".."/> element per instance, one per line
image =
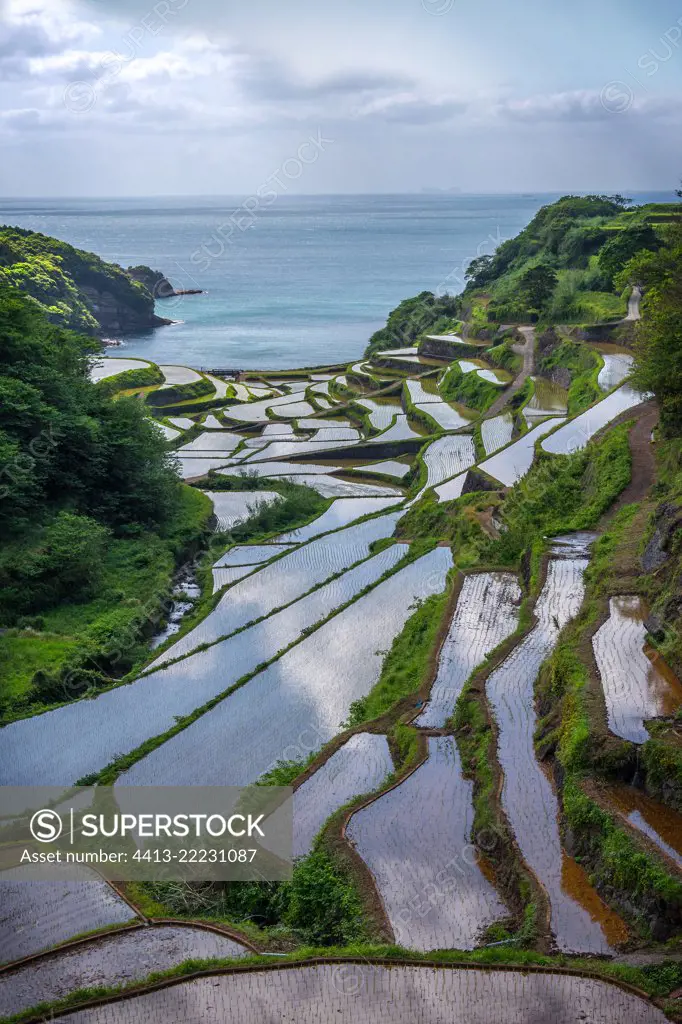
<point x="152" y="833"/>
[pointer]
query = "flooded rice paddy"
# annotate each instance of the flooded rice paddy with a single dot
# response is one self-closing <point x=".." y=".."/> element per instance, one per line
<point x="299" y="702"/>
<point x="497" y="432"/>
<point x="191" y="468"/>
<point x="360" y="766"/>
<point x="232" y="507"/>
<point x="367" y="994"/>
<point x="399" y="431"/>
<point x="636" y="688"/>
<point x="170" y="433"/>
<point x="332" y="487"/>
<point x="77" y="739"/>
<point x="178" y="375"/>
<point x="380" y="413"/>
<point x="528" y="797"/>
<point x="250" y="554"/>
<point x="452" y="489"/>
<point x="221" y="577"/>
<point x="659" y="823"/>
<point x="548" y="399"/>
<point x="37" y="915"/>
<point x="118" y="959"/>
<point x="487" y="613"/>
<point x="285" y="580"/>
<point x="416" y="841"/>
<point x="617" y="366"/>
<point x="419" y="394"/>
<point x="340" y="513"/>
<point x="387" y="468"/>
<point x="575" y="435"/>
<point x="110" y="367"/>
<point x="511" y="465"/>
<point x="447" y="457"/>
<point x="293" y="410"/>
<point x="218" y="441"/>
<point x="183" y="422"/>
<point x="445" y="415"/>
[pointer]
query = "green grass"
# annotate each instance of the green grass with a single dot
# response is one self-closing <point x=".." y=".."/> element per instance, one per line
<point x="468" y="389"/>
<point x="104" y="636"/>
<point x="583" y="365"/>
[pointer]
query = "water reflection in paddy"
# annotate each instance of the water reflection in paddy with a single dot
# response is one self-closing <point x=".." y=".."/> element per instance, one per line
<point x="299" y="702"/>
<point x="367" y="994"/>
<point x="65" y="744"/>
<point x="416" y="841"/>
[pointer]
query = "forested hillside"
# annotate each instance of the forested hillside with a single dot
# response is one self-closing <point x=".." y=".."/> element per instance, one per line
<point x="92" y="514"/>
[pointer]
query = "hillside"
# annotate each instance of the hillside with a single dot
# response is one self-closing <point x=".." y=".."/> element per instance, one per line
<point x="75" y="289"/>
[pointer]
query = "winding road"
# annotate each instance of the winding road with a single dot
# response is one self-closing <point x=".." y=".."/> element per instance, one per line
<point x="527" y="350"/>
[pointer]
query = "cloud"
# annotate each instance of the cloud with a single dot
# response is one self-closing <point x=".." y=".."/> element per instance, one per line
<point x="586" y="105"/>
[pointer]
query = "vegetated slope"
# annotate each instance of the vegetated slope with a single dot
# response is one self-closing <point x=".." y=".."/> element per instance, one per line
<point x="91" y="513"/>
<point x="75" y="289"/>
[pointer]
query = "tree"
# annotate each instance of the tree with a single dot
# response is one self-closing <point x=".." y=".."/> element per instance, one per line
<point x="624" y="246"/>
<point x="658" y="364"/>
<point x="477" y="273"/>
<point x="538" y="285"/>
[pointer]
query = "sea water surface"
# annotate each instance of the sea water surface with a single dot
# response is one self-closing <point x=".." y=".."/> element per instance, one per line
<point x="303" y="281"/>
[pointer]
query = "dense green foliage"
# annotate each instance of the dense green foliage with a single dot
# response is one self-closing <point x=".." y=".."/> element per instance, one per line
<point x="300" y="505"/>
<point x="582" y="365"/>
<point x="659" y="352"/>
<point x="410" y="319"/>
<point x="64" y="282"/>
<point x="468" y="388"/>
<point x="144" y="377"/>
<point x="180" y="393"/>
<point x="84" y="479"/>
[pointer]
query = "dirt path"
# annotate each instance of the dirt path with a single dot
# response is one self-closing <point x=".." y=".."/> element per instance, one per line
<point x="643" y="456"/>
<point x="527" y="350"/>
<point x="633" y="304"/>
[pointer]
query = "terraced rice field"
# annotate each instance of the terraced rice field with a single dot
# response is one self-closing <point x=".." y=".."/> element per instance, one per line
<point x="63" y="745"/>
<point x="37" y="915"/>
<point x="575" y="435"/>
<point x="528" y="797"/>
<point x="511" y="465"/>
<point x="419" y="395"/>
<point x="452" y="489"/>
<point x="335" y="434"/>
<point x="232" y="507"/>
<point x="548" y="399"/>
<point x="617" y="366"/>
<point x="415" y="840"/>
<point x="178" y="375"/>
<point x="331" y="487"/>
<point x="656" y="821"/>
<point x="110" y="367"/>
<point x="487" y="613"/>
<point x="285" y="580"/>
<point x="293" y="410"/>
<point x="284" y="449"/>
<point x="298" y="703"/>
<point x="368" y="994"/>
<point x="213" y="423"/>
<point x="192" y="467"/>
<point x="387" y="468"/>
<point x="340" y="513"/>
<point x="497" y="432"/>
<point x="221" y="577"/>
<point x="636" y="688"/>
<point x="400" y="431"/>
<point x="183" y="422"/>
<point x="380" y="414"/>
<point x="118" y="959"/>
<point x="220" y="386"/>
<point x="250" y="554"/>
<point x="213" y="441"/>
<point x="360" y="766"/>
<point x="445" y="415"/>
<point x="257" y="412"/>
<point x="447" y="457"/>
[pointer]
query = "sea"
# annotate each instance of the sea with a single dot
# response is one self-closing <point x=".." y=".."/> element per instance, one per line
<point x="302" y="281"/>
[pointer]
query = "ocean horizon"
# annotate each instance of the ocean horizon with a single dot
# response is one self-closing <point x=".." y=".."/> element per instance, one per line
<point x="303" y="281"/>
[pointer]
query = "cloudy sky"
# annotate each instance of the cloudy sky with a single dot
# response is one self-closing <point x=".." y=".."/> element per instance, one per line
<point x="132" y="97"/>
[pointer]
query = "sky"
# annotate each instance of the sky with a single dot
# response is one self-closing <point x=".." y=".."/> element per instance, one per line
<point x="217" y="97"/>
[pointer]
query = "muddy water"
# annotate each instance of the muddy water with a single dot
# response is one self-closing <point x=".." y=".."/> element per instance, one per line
<point x="284" y="581"/>
<point x="77" y="739"/>
<point x="549" y="399"/>
<point x="299" y="702"/>
<point x="37" y="915"/>
<point x="497" y="432"/>
<point x="510" y="465"/>
<point x="636" y="689"/>
<point x="576" y="434"/>
<point x="661" y="824"/>
<point x="528" y="797"/>
<point x="359" y="766"/>
<point x="116" y="960"/>
<point x="366" y="994"/>
<point x="487" y="613"/>
<point x="416" y="841"/>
